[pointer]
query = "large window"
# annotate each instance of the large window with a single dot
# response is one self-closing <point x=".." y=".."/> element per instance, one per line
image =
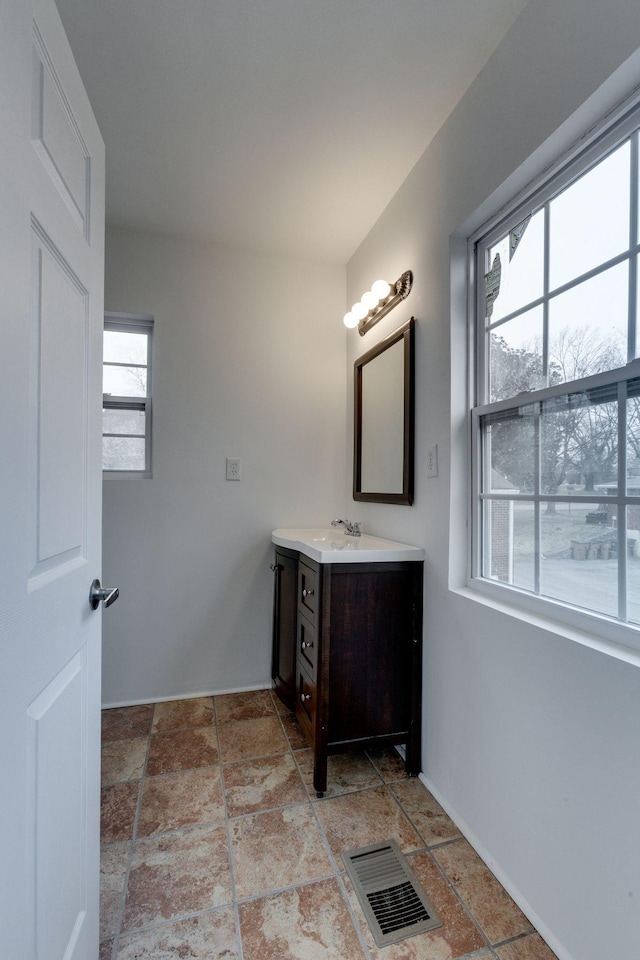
<point x="556" y="421"/>
<point x="126" y="404"/>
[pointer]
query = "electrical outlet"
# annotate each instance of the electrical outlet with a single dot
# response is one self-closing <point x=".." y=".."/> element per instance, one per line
<point x="432" y="460"/>
<point x="234" y="468"/>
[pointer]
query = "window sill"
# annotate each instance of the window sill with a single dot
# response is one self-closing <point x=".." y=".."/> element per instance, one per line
<point x="119" y="474"/>
<point x="590" y="630"/>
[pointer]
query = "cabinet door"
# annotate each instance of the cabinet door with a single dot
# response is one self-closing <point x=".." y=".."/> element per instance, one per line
<point x="283" y="663"/>
<point x="372" y="646"/>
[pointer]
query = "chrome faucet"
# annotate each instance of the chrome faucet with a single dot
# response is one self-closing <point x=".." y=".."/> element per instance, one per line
<point x="353" y="529"/>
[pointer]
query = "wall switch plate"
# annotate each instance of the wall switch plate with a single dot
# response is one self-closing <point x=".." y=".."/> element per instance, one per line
<point x="234" y="468"/>
<point x="432" y="460"/>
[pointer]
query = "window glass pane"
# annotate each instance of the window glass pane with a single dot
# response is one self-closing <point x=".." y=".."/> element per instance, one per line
<point x="633" y="442"/>
<point x="589" y="221"/>
<point x="579" y="558"/>
<point x="579" y="444"/>
<point x="524" y="545"/>
<point x="633" y="564"/>
<point x="125" y="347"/>
<point x="634" y="344"/>
<point x="124" y="421"/>
<point x="509" y="542"/>
<point x="512" y="444"/>
<point x="520" y="276"/>
<point x="588" y="327"/>
<point x="515" y="356"/>
<point x="125" y="381"/>
<point x="123" y="453"/>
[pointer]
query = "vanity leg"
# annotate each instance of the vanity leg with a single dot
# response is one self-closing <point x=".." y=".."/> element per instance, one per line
<point x="413" y="762"/>
<point x="320" y="772"/>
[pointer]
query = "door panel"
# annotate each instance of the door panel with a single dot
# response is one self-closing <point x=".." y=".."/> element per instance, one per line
<point x="56" y="135"/>
<point x="59" y="359"/>
<point x="51" y="315"/>
<point x="57" y="808"/>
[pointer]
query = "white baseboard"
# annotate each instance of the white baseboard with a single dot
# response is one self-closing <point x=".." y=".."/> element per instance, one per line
<point x="185" y="696"/>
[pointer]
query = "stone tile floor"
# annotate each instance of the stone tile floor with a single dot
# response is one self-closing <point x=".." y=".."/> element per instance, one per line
<point x="215" y="846"/>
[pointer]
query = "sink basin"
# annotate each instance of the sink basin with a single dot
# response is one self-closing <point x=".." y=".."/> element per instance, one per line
<point x="333" y="546"/>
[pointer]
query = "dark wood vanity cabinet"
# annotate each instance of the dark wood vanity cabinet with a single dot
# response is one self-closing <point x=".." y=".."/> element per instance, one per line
<point x="358" y="654"/>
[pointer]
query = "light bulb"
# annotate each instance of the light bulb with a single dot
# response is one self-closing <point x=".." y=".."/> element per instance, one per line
<point x="349" y="320"/>
<point x="370" y="300"/>
<point x="381" y="289"/>
<point x="359" y="310"/>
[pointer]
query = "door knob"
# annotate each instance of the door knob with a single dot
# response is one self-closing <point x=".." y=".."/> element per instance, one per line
<point x="107" y="595"/>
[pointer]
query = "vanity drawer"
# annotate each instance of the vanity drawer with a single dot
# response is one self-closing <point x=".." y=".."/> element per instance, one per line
<point x="307" y="646"/>
<point x="307" y="591"/>
<point x="306" y="703"/>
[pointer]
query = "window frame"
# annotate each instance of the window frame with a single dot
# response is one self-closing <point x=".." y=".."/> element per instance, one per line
<point x="603" y="139"/>
<point x="130" y="323"/>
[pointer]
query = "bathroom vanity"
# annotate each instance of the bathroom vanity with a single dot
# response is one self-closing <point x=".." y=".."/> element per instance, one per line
<point x="347" y="641"/>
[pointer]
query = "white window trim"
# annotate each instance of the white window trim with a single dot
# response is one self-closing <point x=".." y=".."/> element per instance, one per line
<point x="601" y="633"/>
<point x="124" y="322"/>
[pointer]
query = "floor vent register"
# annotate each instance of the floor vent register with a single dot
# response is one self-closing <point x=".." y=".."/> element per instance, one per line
<point x="394" y="903"/>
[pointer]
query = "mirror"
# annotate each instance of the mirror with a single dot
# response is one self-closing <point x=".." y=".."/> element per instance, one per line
<point x="384" y="420"/>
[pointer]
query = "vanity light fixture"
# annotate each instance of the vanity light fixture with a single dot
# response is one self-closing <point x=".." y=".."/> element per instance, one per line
<point x="377" y="302"/>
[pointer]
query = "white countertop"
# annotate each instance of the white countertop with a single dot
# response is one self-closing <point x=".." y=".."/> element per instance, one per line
<point x="334" y="546"/>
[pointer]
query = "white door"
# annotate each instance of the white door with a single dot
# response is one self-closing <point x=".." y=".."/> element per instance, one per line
<point x="51" y="304"/>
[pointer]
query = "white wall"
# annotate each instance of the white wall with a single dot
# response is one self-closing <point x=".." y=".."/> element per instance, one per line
<point x="248" y="362"/>
<point x="531" y="740"/>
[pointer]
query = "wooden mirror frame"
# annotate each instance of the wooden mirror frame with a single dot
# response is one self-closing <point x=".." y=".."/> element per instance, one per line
<point x="404" y="333"/>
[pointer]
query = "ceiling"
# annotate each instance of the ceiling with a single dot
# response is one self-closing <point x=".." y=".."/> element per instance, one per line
<point x="283" y="125"/>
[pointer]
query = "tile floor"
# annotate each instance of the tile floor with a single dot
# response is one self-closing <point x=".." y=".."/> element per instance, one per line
<point x="215" y="846"/>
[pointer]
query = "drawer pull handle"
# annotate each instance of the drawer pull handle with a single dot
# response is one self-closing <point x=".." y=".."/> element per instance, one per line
<point x="305" y="696"/>
<point x="307" y="593"/>
<point x="307" y="644"/>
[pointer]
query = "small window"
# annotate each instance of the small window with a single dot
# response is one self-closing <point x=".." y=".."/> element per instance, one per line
<point x="556" y="424"/>
<point x="126" y="402"/>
